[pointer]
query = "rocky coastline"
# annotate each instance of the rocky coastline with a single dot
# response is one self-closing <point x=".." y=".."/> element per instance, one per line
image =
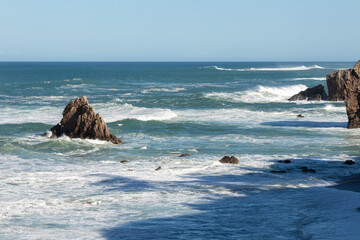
<point x="343" y="85"/>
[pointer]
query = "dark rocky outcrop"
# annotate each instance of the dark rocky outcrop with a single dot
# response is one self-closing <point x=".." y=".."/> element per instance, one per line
<point x="349" y="162"/>
<point x="278" y="171"/>
<point x="335" y="82"/>
<point x="345" y="85"/>
<point x="307" y="170"/>
<point x="352" y="96"/>
<point x="80" y="121"/>
<point x="231" y="160"/>
<point x="184" y="155"/>
<point x="314" y="93"/>
<point x="285" y="161"/>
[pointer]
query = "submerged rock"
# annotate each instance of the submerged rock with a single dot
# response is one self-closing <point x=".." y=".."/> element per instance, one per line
<point x="314" y="93"/>
<point x="80" y="121"/>
<point x="307" y="170"/>
<point x="285" y="161"/>
<point x="231" y="160"/>
<point x="349" y="162"/>
<point x="278" y="171"/>
<point x="184" y="155"/>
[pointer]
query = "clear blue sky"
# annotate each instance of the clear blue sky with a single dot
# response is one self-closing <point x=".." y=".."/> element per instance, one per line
<point x="183" y="30"/>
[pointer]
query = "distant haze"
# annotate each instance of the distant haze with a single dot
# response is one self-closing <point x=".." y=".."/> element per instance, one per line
<point x="165" y="30"/>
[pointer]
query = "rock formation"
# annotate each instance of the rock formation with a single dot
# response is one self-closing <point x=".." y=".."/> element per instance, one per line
<point x="307" y="170"/>
<point x="285" y="161"/>
<point x="335" y="82"/>
<point x="352" y="96"/>
<point x="315" y="93"/>
<point x="227" y="159"/>
<point x="349" y="162"/>
<point x="184" y="155"/>
<point x="80" y="121"/>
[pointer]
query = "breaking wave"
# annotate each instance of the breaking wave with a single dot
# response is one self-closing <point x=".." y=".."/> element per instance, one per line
<point x="259" y="94"/>
<point x="311" y="78"/>
<point x="298" y="68"/>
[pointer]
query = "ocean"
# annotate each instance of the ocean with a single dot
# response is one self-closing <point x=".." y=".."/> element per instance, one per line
<point x="79" y="189"/>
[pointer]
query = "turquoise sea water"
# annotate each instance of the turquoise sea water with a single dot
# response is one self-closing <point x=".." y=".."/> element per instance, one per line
<point x="78" y="189"/>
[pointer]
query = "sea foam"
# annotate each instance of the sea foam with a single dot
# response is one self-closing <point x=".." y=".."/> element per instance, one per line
<point x="259" y="94"/>
<point x="113" y="112"/>
<point x="49" y="115"/>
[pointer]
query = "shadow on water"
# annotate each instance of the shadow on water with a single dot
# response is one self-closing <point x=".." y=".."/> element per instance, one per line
<point x="261" y="205"/>
<point x="307" y="124"/>
<point x="119" y="183"/>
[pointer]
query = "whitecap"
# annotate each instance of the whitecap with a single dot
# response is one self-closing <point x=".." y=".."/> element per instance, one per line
<point x="311" y="78"/>
<point x="297" y="68"/>
<point x="162" y="90"/>
<point x="76" y="86"/>
<point x="193" y="150"/>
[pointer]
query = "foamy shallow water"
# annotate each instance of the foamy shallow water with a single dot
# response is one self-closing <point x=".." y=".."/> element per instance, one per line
<point x="70" y="188"/>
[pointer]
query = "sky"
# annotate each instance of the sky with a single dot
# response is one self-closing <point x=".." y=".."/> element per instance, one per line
<point x="179" y="30"/>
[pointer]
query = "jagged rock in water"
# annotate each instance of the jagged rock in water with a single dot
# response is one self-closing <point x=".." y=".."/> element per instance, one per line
<point x="314" y="93"/>
<point x="278" y="171"/>
<point x="80" y="121"/>
<point x="349" y="162"/>
<point x="352" y="96"/>
<point x="336" y="82"/>
<point x="285" y="161"/>
<point x="227" y="159"/>
<point x="184" y="155"/>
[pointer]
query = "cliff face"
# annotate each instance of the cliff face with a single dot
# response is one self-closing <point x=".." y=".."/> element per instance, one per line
<point x="352" y="95"/>
<point x="80" y="121"/>
<point x="335" y="82"/>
